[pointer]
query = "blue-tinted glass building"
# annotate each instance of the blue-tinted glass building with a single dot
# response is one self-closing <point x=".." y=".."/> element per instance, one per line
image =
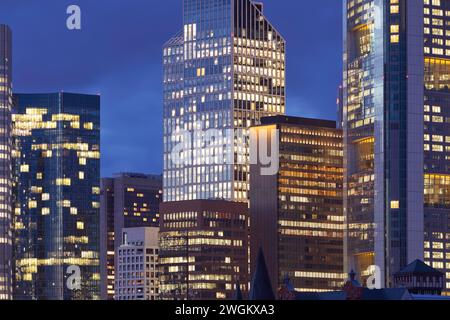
<point x="397" y="135"/>
<point x="56" y="196"/>
<point x="383" y="134"/>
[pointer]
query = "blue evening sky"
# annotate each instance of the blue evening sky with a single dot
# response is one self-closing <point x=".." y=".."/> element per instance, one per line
<point x="118" y="54"/>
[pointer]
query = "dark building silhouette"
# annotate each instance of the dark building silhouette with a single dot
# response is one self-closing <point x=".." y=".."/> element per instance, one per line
<point x="261" y="286"/>
<point x="419" y="278"/>
<point x="417" y="281"/>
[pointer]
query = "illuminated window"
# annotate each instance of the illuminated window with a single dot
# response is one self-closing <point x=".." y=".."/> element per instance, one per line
<point x="395" y="205"/>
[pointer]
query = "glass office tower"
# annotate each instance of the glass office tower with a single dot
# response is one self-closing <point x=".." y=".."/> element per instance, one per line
<point x="223" y="71"/>
<point x="383" y="131"/>
<point x="437" y="136"/>
<point x="5" y="162"/>
<point x="56" y="196"/>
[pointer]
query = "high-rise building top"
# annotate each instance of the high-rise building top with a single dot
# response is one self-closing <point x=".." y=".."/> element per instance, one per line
<point x="5" y="163"/>
<point x="56" y="196"/>
<point x="128" y="200"/>
<point x="222" y="73"/>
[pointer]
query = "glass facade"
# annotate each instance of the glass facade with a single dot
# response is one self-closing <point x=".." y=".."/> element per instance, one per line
<point x="223" y="71"/>
<point x="383" y="110"/>
<point x="5" y="163"/>
<point x="437" y="136"/>
<point x="297" y="214"/>
<point x="56" y="196"/>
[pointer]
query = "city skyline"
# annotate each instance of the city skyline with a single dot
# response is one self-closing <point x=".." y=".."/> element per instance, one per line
<point x="186" y="153"/>
<point x="305" y="83"/>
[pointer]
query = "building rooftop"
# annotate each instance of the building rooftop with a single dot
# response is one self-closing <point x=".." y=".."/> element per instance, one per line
<point x="419" y="267"/>
<point x="299" y="121"/>
<point x="137" y="175"/>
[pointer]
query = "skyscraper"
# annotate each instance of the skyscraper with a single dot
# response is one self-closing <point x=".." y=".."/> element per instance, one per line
<point x="222" y="73"/>
<point x="129" y="200"/>
<point x="56" y="196"/>
<point x="5" y="163"/>
<point x="383" y="122"/>
<point x="437" y="136"/>
<point x="395" y="58"/>
<point x="297" y="212"/>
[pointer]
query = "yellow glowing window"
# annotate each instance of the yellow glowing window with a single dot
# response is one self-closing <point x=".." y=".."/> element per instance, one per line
<point x="45" y="197"/>
<point x="82" y="161"/>
<point x="395" y="9"/>
<point x="395" y="38"/>
<point x="63" y="182"/>
<point x="73" y="211"/>
<point x="24" y="168"/>
<point x="81" y="175"/>
<point x="201" y="72"/>
<point x="130" y="190"/>
<point x="75" y="125"/>
<point x="95" y="190"/>
<point x="395" y="204"/>
<point x="39" y="175"/>
<point x="32" y="204"/>
<point x="45" y="211"/>
<point x="80" y="225"/>
<point x="64" y="203"/>
<point x="395" y="28"/>
<point x="65" y="117"/>
<point x="88" y="126"/>
<point x="47" y="154"/>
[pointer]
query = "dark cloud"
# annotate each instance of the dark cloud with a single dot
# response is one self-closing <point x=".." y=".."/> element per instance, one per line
<point x="118" y="54"/>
